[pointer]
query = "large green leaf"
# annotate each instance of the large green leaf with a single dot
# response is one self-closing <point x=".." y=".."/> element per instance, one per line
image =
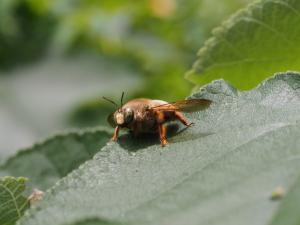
<point x="12" y="202"/>
<point x="54" y="158"/>
<point x="221" y="171"/>
<point x="252" y="45"/>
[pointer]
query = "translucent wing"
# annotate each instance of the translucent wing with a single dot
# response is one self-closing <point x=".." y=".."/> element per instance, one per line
<point x="190" y="105"/>
<point x="110" y="120"/>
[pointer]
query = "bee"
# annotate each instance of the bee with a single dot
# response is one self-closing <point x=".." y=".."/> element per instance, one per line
<point x="144" y="115"/>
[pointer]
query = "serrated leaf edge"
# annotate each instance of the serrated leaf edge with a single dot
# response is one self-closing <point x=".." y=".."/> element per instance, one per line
<point x="72" y="132"/>
<point x="219" y="31"/>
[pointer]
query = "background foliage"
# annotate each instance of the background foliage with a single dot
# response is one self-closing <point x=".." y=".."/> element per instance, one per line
<point x="59" y="57"/>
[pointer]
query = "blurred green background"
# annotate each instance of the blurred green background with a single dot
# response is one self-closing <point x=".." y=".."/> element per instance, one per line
<point x="58" y="57"/>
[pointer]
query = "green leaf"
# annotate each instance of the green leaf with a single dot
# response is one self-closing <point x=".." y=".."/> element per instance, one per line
<point x="255" y="43"/>
<point x="12" y="202"/>
<point x="223" y="170"/>
<point x="48" y="161"/>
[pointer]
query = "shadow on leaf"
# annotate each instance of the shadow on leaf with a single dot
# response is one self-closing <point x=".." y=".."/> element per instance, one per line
<point x="175" y="133"/>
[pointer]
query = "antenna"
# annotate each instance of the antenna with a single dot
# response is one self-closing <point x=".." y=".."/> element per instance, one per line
<point x="111" y="101"/>
<point x="122" y="99"/>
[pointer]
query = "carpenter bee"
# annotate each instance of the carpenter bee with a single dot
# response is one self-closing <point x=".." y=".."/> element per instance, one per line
<point x="144" y="115"/>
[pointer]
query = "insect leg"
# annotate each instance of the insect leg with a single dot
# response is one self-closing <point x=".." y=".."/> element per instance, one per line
<point x="182" y="119"/>
<point x="160" y="119"/>
<point x="162" y="135"/>
<point x="116" y="134"/>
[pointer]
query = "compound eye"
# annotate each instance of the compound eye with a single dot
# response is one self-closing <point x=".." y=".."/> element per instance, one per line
<point x="128" y="115"/>
<point x="111" y="120"/>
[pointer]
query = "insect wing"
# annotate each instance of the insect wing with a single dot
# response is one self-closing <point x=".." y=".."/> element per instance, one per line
<point x="189" y="105"/>
<point x="110" y="119"/>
